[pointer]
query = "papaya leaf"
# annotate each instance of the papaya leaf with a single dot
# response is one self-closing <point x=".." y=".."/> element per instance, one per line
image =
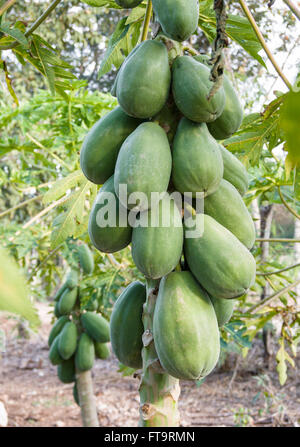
<point x="15" y="33"/>
<point x="99" y="3"/>
<point x="48" y="70"/>
<point x="289" y="121"/>
<point x="62" y="186"/>
<point x="14" y="296"/>
<point x="136" y="14"/>
<point x="282" y="357"/>
<point x="8" y="82"/>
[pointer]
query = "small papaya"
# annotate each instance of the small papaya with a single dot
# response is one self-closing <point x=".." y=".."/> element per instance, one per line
<point x="68" y="340"/>
<point x="218" y="260"/>
<point x="72" y="279"/>
<point x="106" y="236"/>
<point x="223" y="309"/>
<point x="101" y="350"/>
<point x="86" y="259"/>
<point x="185" y="328"/>
<point x="197" y="160"/>
<point x="75" y="394"/>
<point x="54" y="355"/>
<point x="85" y="353"/>
<point x="67" y="301"/>
<point x="126" y="325"/>
<point x="60" y="292"/>
<point x="102" y="144"/>
<point x="144" y="80"/>
<point x="234" y="171"/>
<point x="66" y="371"/>
<point x="178" y="18"/>
<point x="144" y="166"/>
<point x="157" y="246"/>
<point x="128" y="4"/>
<point x="227" y="207"/>
<point x="56" y="309"/>
<point x="96" y="326"/>
<point x="191" y="86"/>
<point x="57" y="327"/>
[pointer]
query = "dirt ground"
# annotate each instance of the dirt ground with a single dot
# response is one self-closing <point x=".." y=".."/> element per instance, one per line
<point x="240" y="393"/>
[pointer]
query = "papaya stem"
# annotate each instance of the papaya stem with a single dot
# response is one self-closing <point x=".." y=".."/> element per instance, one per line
<point x="287" y="205"/>
<point x="147" y="21"/>
<point x="293" y="8"/>
<point x="87" y="399"/>
<point x="6" y="6"/>
<point x="159" y="392"/>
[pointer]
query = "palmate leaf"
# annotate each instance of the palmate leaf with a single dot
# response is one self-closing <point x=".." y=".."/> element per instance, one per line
<point x="13" y="290"/>
<point x="282" y="357"/>
<point x="61" y="187"/>
<point x="15" y="33"/>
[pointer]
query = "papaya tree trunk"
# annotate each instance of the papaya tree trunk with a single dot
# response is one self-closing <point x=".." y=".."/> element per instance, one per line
<point x="87" y="399"/>
<point x="159" y="392"/>
<point x="297" y="254"/>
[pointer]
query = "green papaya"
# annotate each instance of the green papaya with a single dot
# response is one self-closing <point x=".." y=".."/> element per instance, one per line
<point x="157" y="246"/>
<point x="234" y="171"/>
<point x="75" y="394"/>
<point x="72" y="279"/>
<point x="178" y="18"/>
<point x="67" y="301"/>
<point x="54" y="355"/>
<point x="66" y="371"/>
<point x="102" y="144"/>
<point x="218" y="260"/>
<point x="197" y="160"/>
<point x="57" y="327"/>
<point x="101" y="350"/>
<point x="60" y="292"/>
<point x="232" y="116"/>
<point x="96" y="326"/>
<point x="144" y="80"/>
<point x="185" y="328"/>
<point x="144" y="166"/>
<point x="128" y="4"/>
<point x="68" y="340"/>
<point x="126" y="325"/>
<point x="107" y="236"/>
<point x="223" y="309"/>
<point x="86" y="259"/>
<point x="191" y="86"/>
<point x="227" y="207"/>
<point x="56" y="309"/>
<point x="113" y="90"/>
<point x="85" y="353"/>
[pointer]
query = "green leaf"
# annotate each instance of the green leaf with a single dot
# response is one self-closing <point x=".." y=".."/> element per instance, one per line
<point x="282" y="357"/>
<point x="289" y="120"/>
<point x="61" y="187"/>
<point x="14" y="295"/>
<point x="99" y="3"/>
<point x="15" y="33"/>
<point x="8" y="82"/>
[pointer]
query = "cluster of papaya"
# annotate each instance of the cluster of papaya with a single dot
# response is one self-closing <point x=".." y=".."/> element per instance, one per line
<point x="164" y="137"/>
<point x="77" y="337"/>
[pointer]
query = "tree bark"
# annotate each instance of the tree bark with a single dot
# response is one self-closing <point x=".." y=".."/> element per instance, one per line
<point x="87" y="399"/>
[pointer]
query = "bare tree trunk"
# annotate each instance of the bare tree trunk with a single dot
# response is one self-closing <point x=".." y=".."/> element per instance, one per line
<point x="87" y="399"/>
<point x="256" y="216"/>
<point x="266" y="217"/>
<point x="297" y="252"/>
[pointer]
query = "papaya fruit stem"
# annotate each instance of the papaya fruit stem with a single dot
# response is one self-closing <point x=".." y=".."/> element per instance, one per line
<point x="147" y="21"/>
<point x="159" y="392"/>
<point x="87" y="399"/>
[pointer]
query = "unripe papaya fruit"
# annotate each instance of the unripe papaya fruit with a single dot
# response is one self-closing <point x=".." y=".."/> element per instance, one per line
<point x="126" y="325"/>
<point x="54" y="355"/>
<point x="101" y="350"/>
<point x="56" y="329"/>
<point x="185" y="328"/>
<point x="144" y="80"/>
<point x="86" y="259"/>
<point x="144" y="166"/>
<point x="60" y="292"/>
<point x="191" y="86"/>
<point x="68" y="340"/>
<point x="218" y="260"/>
<point x="227" y="207"/>
<point x="197" y="160"/>
<point x="178" y="18"/>
<point x="102" y="144"/>
<point x="223" y="309"/>
<point x="56" y="309"/>
<point x="67" y="301"/>
<point x="66" y="371"/>
<point x="234" y="171"/>
<point x="75" y="394"/>
<point x="127" y="4"/>
<point x="72" y="279"/>
<point x="96" y="326"/>
<point x="110" y="238"/>
<point x="85" y="353"/>
<point x="157" y="247"/>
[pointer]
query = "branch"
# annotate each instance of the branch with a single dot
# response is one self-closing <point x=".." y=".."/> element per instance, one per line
<point x="263" y="43"/>
<point x="293" y="8"/>
<point x="44" y="261"/>
<point x="273" y="296"/>
<point x="35" y="25"/>
<point x="279" y="271"/>
<point x="20" y="205"/>
<point x="147" y="20"/>
<point x="6" y="6"/>
<point x="287" y="205"/>
<point x="261" y="239"/>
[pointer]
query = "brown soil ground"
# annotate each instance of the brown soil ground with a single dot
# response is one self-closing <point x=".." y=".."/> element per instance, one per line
<point x="240" y="393"/>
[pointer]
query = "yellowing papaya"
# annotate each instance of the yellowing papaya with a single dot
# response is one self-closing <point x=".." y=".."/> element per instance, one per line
<point x="185" y="328"/>
<point x="96" y="326"/>
<point x="126" y="326"/>
<point x="223" y="309"/>
<point x="227" y="207"/>
<point x="102" y="144"/>
<point x="143" y="166"/>
<point x="67" y="340"/>
<point x="157" y="247"/>
<point x="85" y="353"/>
<point x="67" y="301"/>
<point x="178" y="18"/>
<point x="191" y="86"/>
<point x="197" y="160"/>
<point x="218" y="260"/>
<point x="144" y="80"/>
<point x="128" y="4"/>
<point x="234" y="171"/>
<point x="106" y="236"/>
<point x="56" y="329"/>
